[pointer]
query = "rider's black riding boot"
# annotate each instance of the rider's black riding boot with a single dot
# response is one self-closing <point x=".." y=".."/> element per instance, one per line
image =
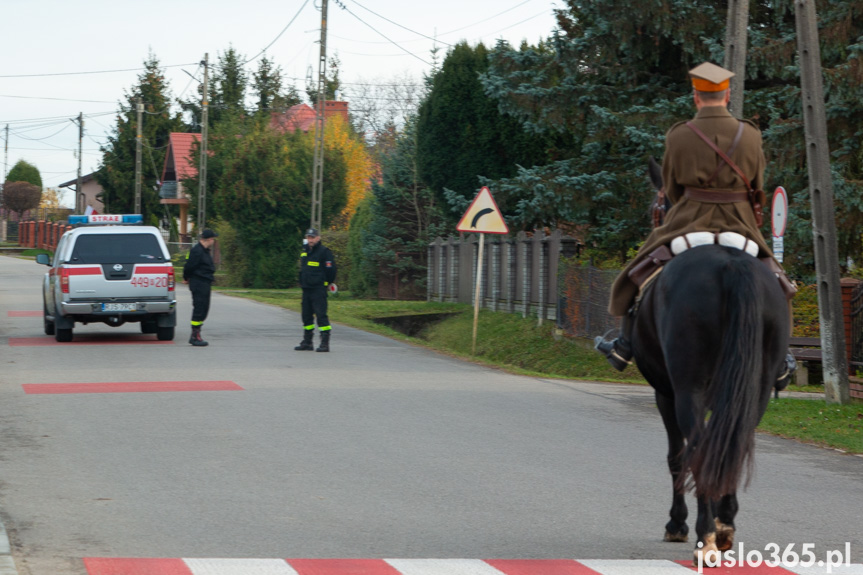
<point x="790" y="363"/>
<point x="618" y="351"/>
<point x="790" y="369"/>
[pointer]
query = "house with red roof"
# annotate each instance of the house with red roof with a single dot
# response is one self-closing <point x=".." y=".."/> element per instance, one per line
<point x="302" y="116"/>
<point x="178" y="166"/>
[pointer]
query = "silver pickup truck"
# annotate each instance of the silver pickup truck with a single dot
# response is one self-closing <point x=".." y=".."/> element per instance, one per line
<point x="111" y="274"/>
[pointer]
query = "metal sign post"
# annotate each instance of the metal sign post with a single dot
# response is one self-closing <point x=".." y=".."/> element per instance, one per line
<point x="482" y="217"/>
<point x="476" y="293"/>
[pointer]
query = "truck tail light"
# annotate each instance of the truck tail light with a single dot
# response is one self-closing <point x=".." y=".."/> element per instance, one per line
<point x="171" y="279"/>
<point x="64" y="280"/>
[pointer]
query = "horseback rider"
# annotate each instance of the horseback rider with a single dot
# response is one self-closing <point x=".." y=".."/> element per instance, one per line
<point x="707" y="195"/>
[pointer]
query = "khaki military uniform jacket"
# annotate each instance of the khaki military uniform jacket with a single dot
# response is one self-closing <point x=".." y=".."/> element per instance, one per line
<point x="690" y="162"/>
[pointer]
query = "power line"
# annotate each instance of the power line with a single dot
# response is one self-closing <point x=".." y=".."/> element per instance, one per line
<point x="66" y="126"/>
<point x="437" y="39"/>
<point x="55" y="148"/>
<point x="543" y="13"/>
<point x="280" y="34"/>
<point x="194" y="79"/>
<point x="48" y="118"/>
<point x="384" y="36"/>
<point x="399" y="25"/>
<point x="56" y="99"/>
<point x="92" y="72"/>
<point x="486" y="19"/>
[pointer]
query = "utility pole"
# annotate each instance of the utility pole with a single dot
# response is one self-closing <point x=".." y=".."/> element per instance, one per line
<point x="6" y="154"/>
<point x="318" y="170"/>
<point x="736" y="36"/>
<point x="202" y="170"/>
<point x="138" y="150"/>
<point x="79" y="194"/>
<point x="835" y="362"/>
<point x="3" y="183"/>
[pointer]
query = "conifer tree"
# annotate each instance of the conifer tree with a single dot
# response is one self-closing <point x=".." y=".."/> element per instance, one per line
<point x="116" y="173"/>
<point x="461" y="135"/>
<point x="269" y="92"/>
<point x="404" y="217"/>
<point x="228" y="87"/>
<point x="613" y="95"/>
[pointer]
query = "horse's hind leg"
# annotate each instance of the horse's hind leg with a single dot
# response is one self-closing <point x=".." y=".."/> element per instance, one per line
<point x="707" y="553"/>
<point x="676" y="529"/>
<point x="726" y="510"/>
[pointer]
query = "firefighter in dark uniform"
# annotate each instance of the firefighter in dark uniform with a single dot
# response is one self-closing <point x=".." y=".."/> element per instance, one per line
<point x="199" y="273"/>
<point x="705" y="192"/>
<point x="317" y="273"/>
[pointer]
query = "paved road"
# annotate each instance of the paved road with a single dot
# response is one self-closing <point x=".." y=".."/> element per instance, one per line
<point x="378" y="449"/>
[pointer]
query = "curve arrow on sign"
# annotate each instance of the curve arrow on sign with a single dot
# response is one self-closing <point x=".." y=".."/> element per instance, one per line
<point x="480" y="214"/>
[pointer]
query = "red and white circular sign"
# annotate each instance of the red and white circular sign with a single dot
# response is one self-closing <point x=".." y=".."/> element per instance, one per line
<point x="779" y="212"/>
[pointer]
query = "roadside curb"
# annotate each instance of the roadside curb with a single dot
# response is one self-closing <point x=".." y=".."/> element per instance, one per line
<point x="7" y="563"/>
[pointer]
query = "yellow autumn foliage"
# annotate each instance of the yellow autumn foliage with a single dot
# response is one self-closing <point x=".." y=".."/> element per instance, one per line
<point x="360" y="168"/>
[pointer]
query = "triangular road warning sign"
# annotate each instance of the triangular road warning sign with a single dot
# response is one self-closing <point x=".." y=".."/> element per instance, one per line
<point x="483" y="216"/>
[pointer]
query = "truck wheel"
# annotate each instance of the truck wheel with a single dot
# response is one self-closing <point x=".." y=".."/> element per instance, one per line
<point x="165" y="333"/>
<point x="49" y="325"/>
<point x="63" y="334"/>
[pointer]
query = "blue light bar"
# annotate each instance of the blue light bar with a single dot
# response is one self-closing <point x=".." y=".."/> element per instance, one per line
<point x="103" y="219"/>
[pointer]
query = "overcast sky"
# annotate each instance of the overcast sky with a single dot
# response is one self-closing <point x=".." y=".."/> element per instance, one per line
<point x="49" y="47"/>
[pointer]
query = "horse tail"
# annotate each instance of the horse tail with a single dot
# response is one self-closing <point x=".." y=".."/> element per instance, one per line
<point x="721" y="450"/>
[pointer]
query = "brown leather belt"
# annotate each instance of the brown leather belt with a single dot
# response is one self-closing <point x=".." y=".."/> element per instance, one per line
<point x="715" y="196"/>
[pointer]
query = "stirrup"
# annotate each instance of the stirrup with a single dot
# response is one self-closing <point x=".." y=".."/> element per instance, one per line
<point x="609" y="349"/>
<point x="790" y="369"/>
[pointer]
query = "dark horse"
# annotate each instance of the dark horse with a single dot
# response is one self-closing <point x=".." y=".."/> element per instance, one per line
<point x="710" y="335"/>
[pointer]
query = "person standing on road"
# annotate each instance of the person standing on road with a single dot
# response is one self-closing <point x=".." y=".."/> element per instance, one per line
<point x="199" y="273"/>
<point x="317" y="272"/>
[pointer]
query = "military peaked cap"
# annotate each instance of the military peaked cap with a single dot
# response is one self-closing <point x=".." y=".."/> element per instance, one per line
<point x="709" y="77"/>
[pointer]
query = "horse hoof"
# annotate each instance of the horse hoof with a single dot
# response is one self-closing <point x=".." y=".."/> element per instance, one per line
<point x="724" y="536"/>
<point x="707" y="554"/>
<point x="676" y="537"/>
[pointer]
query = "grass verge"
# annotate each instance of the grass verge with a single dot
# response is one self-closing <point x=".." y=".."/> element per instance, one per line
<point x="523" y="346"/>
<point x="836" y="426"/>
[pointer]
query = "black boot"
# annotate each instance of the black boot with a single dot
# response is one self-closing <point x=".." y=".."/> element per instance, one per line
<point x="196" y="339"/>
<point x="325" y="341"/>
<point x="618" y="351"/>
<point x="306" y="344"/>
<point x="790" y="368"/>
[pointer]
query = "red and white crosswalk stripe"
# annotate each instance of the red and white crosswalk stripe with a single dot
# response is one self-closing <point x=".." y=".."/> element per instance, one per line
<point x="126" y="566"/>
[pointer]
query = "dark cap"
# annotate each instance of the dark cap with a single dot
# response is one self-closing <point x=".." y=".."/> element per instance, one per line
<point x="312" y="232"/>
<point x="207" y="234"/>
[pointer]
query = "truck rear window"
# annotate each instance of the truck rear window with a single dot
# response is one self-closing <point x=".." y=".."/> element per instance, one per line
<point x="116" y="248"/>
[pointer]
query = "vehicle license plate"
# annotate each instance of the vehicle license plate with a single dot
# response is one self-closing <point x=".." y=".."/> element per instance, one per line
<point x="118" y="307"/>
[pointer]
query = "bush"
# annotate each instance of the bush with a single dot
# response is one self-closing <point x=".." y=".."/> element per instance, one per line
<point x="337" y="241"/>
<point x="234" y="264"/>
<point x="805" y="306"/>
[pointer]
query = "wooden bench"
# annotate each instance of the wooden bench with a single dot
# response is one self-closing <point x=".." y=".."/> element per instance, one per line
<point x="805" y="350"/>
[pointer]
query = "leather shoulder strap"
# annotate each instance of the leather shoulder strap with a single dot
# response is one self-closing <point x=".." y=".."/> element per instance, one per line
<point x="722" y="154"/>
<point x="721" y="164"/>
